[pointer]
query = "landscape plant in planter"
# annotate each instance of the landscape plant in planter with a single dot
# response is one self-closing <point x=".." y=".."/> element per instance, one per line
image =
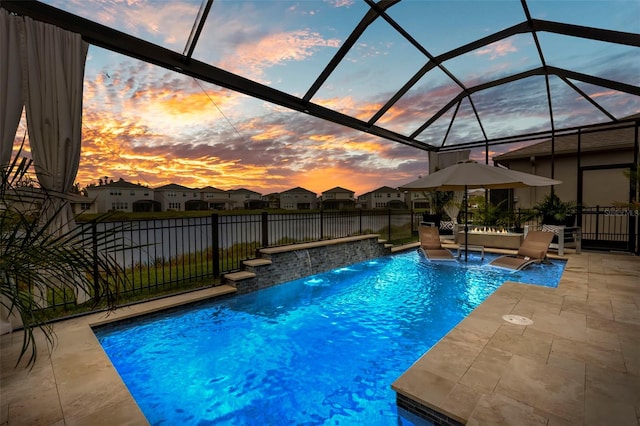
<point x="554" y="211"/>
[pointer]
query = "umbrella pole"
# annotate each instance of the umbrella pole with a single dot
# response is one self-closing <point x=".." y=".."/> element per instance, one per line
<point x="466" y="223"/>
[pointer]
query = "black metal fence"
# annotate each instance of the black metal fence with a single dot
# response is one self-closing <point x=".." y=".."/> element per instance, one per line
<point x="170" y="255"/>
<point x="609" y="228"/>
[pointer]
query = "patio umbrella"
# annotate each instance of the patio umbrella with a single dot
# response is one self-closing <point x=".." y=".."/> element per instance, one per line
<point x="471" y="175"/>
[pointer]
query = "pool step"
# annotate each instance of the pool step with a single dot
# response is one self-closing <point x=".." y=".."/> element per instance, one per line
<point x="254" y="263"/>
<point x="238" y="276"/>
<point x="247" y="275"/>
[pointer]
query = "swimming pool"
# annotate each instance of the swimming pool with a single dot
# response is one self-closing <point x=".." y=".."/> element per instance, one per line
<point x="319" y="350"/>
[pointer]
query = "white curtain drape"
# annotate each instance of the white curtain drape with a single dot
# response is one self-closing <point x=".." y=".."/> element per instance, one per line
<point x="452" y="208"/>
<point x="54" y="61"/>
<point x="11" y="101"/>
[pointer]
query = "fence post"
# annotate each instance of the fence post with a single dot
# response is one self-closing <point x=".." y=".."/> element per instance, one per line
<point x="215" y="245"/>
<point x="631" y="226"/>
<point x="597" y="222"/>
<point x="360" y="222"/>
<point x="94" y="253"/>
<point x="389" y="225"/>
<point x="321" y="224"/>
<point x="411" y="213"/>
<point x="265" y="229"/>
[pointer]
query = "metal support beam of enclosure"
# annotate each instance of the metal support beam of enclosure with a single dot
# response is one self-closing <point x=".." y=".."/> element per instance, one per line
<point x="111" y="39"/>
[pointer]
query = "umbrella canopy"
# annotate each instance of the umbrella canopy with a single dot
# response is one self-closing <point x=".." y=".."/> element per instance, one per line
<point x="470" y="175"/>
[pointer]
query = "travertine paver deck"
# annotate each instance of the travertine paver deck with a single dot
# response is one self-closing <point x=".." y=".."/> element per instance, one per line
<point x="75" y="384"/>
<point x="578" y="363"/>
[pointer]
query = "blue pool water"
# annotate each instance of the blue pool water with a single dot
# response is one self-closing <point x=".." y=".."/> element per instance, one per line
<point x="322" y="350"/>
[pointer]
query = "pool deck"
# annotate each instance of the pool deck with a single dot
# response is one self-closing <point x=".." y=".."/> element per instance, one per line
<point x="577" y="364"/>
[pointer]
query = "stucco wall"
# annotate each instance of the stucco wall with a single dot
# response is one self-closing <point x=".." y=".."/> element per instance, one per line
<point x="600" y="187"/>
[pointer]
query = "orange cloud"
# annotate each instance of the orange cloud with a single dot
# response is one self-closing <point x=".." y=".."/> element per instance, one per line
<point x="350" y="106"/>
<point x="345" y="147"/>
<point x="268" y="132"/>
<point x="324" y="178"/>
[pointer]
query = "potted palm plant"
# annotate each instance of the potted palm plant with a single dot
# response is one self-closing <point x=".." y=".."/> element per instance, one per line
<point x="36" y="258"/>
<point x="554" y="211"/>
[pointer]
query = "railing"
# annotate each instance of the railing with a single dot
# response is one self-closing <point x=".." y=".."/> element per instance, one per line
<point x="171" y="255"/>
<point x="609" y="228"/>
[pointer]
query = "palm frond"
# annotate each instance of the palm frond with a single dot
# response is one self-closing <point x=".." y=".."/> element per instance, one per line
<point x="41" y="253"/>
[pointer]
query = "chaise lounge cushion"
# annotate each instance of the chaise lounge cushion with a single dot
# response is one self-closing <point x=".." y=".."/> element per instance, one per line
<point x="532" y="250"/>
<point x="430" y="244"/>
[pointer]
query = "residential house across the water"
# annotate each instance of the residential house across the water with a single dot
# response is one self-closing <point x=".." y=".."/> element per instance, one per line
<point x="122" y="196"/>
<point x="338" y="199"/>
<point x="417" y="200"/>
<point x="272" y="200"/>
<point x="215" y="199"/>
<point x="382" y="198"/>
<point x="243" y="198"/>
<point x="298" y="199"/>
<point x="174" y="197"/>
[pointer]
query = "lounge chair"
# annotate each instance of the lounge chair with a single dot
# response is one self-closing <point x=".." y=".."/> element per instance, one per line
<point x="430" y="244"/>
<point x="532" y="250"/>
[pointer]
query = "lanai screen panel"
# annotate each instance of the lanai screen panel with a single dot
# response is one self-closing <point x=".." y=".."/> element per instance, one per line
<point x="422" y="73"/>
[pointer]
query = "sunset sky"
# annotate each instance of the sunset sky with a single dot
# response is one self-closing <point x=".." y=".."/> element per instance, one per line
<point x="152" y="126"/>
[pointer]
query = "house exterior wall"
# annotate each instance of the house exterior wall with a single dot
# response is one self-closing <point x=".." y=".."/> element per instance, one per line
<point x="118" y="198"/>
<point x="364" y="201"/>
<point x="298" y="199"/>
<point x="380" y="198"/>
<point x="600" y="186"/>
<point x="240" y="198"/>
<point x="173" y="198"/>
<point x="273" y="200"/>
<point x="338" y="195"/>
<point x="84" y="206"/>
<point x="338" y="199"/>
<point x="216" y="199"/>
<point x="416" y="200"/>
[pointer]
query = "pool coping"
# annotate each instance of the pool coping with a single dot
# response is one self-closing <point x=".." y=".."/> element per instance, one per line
<point x="77" y="384"/>
<point x="577" y="363"/>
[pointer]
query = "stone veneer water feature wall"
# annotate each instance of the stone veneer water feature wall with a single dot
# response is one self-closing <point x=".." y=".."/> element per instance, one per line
<point x="281" y="264"/>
